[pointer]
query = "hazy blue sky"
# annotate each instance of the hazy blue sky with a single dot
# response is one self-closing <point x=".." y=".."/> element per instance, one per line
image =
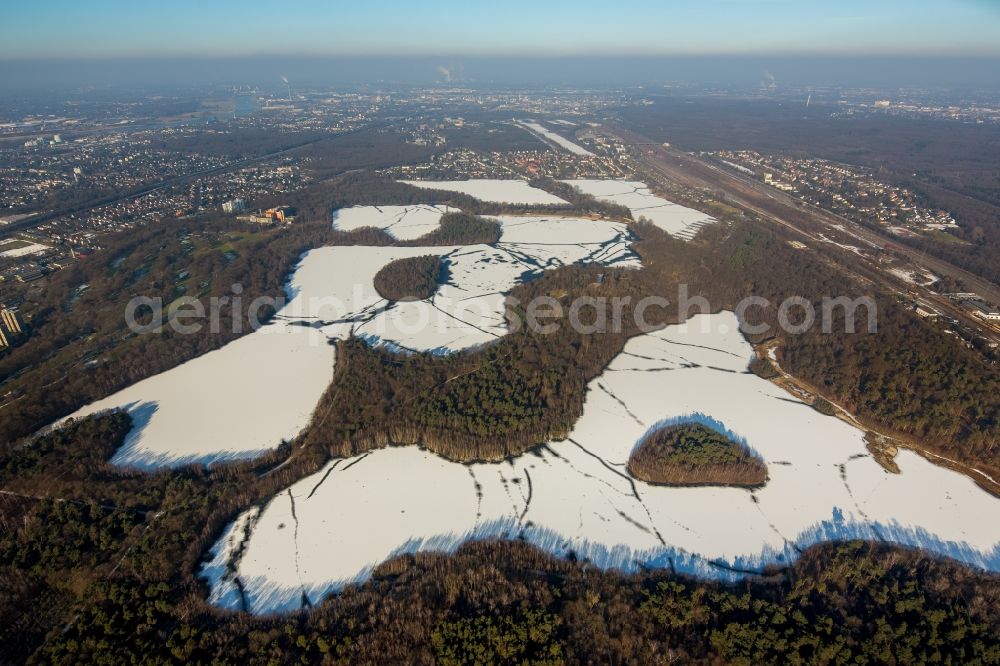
<point x="103" y="28"/>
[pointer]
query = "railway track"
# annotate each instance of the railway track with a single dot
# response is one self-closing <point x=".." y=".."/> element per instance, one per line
<point x="809" y="222"/>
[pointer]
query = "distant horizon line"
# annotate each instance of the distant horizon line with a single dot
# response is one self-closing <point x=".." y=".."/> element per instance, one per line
<point x="518" y="55"/>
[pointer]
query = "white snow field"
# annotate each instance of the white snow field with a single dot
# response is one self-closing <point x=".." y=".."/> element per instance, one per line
<point x="239" y="401"/>
<point x="246" y="397"/>
<point x="517" y="192"/>
<point x="21" y="250"/>
<point x="673" y="218"/>
<point x="561" y="141"/>
<point x="467" y="309"/>
<point x="401" y="222"/>
<point x="575" y="495"/>
<point x="915" y="276"/>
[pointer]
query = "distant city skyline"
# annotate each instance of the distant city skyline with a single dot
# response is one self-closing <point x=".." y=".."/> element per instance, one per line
<point x="118" y="29"/>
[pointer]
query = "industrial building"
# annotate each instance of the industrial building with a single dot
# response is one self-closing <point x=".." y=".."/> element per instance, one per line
<point x="234" y="206"/>
<point x="10" y="328"/>
<point x="276" y="215"/>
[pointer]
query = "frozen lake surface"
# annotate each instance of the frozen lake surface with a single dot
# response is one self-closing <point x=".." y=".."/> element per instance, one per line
<point x="236" y="402"/>
<point x="400" y="222"/>
<point x="673" y="218"/>
<point x="575" y="495"/>
<point x="572" y="496"/>
<point x="494" y="191"/>
<point x="467" y="310"/>
<point x="246" y="397"/>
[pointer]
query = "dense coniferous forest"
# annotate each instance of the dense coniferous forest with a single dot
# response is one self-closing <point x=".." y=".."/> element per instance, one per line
<point x="691" y="454"/>
<point x="949" y="400"/>
<point x="462" y="228"/>
<point x="583" y="203"/>
<point x="909" y="378"/>
<point x="410" y="279"/>
<point x="484" y="404"/>
<point x="98" y="565"/>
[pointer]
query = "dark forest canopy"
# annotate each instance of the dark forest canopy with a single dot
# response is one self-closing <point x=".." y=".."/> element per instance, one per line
<point x="460" y="228"/>
<point x="486" y="404"/>
<point x="581" y="202"/>
<point x="909" y="377"/>
<point x="107" y="573"/>
<point x="693" y="454"/>
<point x="855" y="369"/>
<point x="409" y="279"/>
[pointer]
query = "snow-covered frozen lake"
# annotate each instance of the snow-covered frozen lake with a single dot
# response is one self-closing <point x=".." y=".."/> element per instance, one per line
<point x="400" y="222"/>
<point x="575" y="495"/>
<point x="673" y="218"/>
<point x="517" y="192"/>
<point x="246" y="397"/>
<point x="239" y="401"/>
<point x="567" y="496"/>
<point x="468" y="307"/>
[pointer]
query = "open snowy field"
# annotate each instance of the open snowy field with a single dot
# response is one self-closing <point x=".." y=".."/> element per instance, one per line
<point x="575" y="496"/>
<point x="915" y="276"/>
<point x="401" y="222"/>
<point x="557" y="139"/>
<point x="673" y="218"/>
<point x="245" y="398"/>
<point x="493" y="190"/>
<point x="18" y="248"/>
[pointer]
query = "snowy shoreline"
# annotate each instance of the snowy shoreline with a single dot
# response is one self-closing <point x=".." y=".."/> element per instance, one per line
<point x="567" y="497"/>
<point x="574" y="496"/>
<point x="261" y="389"/>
